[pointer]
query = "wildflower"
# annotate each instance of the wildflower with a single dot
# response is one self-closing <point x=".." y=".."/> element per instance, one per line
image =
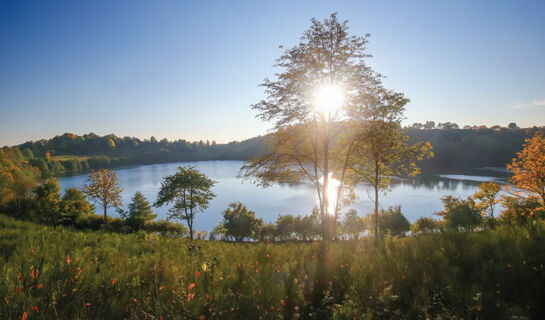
<point x="207" y="297"/>
<point x="35" y="308"/>
<point x="24" y="316"/>
<point x="68" y="260"/>
<point x="282" y="302"/>
<point x="135" y="300"/>
<point x="197" y="273"/>
<point x="161" y="287"/>
<point x="257" y="307"/>
<point x="114" y="281"/>
<point x="403" y="276"/>
<point x="204" y="267"/>
<point x="87" y="304"/>
<point x="190" y="296"/>
<point x="202" y="317"/>
<point x="191" y="286"/>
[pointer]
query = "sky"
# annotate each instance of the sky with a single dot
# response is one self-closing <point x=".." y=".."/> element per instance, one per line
<point x="191" y="70"/>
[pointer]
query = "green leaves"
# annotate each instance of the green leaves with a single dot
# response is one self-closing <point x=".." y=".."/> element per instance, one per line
<point x="190" y="192"/>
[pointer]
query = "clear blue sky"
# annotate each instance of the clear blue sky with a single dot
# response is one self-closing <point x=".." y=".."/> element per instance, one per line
<point x="190" y="70"/>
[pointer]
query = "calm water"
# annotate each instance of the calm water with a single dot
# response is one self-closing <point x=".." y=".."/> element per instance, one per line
<point x="418" y="197"/>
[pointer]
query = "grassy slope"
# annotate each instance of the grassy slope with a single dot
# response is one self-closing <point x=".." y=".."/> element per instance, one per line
<point x="89" y="275"/>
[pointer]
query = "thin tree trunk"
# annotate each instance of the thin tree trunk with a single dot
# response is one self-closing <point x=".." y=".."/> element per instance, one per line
<point x="376" y="201"/>
<point x="105" y="214"/>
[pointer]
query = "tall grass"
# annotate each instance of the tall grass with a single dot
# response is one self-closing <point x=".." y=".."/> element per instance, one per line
<point x="68" y="274"/>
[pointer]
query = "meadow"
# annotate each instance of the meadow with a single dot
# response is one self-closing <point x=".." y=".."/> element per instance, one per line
<point x="69" y="274"/>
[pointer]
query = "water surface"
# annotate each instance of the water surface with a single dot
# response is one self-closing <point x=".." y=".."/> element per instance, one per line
<point x="418" y="197"/>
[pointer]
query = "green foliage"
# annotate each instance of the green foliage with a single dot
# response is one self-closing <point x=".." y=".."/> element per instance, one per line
<point x="239" y="222"/>
<point x="140" y="211"/>
<point x="493" y="274"/>
<point x="47" y="202"/>
<point x="190" y="192"/>
<point x="392" y="221"/>
<point x="459" y="213"/>
<point x="73" y="205"/>
<point x="353" y="224"/>
<point x="285" y="226"/>
<point x="425" y="225"/>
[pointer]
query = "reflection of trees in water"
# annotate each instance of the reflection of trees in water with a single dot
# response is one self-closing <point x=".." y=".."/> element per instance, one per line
<point x="429" y="182"/>
<point x="435" y="182"/>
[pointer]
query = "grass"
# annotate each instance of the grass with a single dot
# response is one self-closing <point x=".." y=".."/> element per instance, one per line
<point x="66" y="274"/>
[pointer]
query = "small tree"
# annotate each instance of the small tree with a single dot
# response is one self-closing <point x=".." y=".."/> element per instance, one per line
<point x="459" y="213"/>
<point x="266" y="232"/>
<point x="140" y="211"/>
<point x="353" y="224"/>
<point x="425" y="225"/>
<point x="392" y="221"/>
<point x="48" y="200"/>
<point x="486" y="198"/>
<point x="190" y="192"/>
<point x="529" y="167"/>
<point x="74" y="205"/>
<point x="285" y="226"/>
<point x="239" y="222"/>
<point x="102" y="188"/>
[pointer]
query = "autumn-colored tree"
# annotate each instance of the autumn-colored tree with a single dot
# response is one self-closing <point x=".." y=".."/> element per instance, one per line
<point x="190" y="192"/>
<point x="528" y="168"/>
<point x="102" y="187"/>
<point x="486" y="198"/>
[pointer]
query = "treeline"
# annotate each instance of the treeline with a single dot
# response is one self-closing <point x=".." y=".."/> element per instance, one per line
<point x="476" y="147"/>
<point x="482" y="147"/>
<point x="70" y="152"/>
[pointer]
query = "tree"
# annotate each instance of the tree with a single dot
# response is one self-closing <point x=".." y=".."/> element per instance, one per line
<point x="102" y="188"/>
<point x="425" y="225"/>
<point x="528" y="168"/>
<point x="327" y="69"/>
<point x="140" y="211"/>
<point x="266" y="231"/>
<point x="486" y="198"/>
<point x="239" y="222"/>
<point x="218" y="233"/>
<point x="392" y="221"/>
<point x="74" y="205"/>
<point x="381" y="150"/>
<point x="48" y="202"/>
<point x="459" y="213"/>
<point x="285" y="226"/>
<point x="190" y="192"/>
<point x="512" y="126"/>
<point x="306" y="227"/>
<point x="353" y="224"/>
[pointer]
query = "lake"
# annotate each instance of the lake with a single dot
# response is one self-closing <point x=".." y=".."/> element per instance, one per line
<point x="420" y="196"/>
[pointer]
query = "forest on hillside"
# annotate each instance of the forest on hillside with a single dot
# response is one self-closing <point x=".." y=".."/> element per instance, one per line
<point x="482" y="147"/>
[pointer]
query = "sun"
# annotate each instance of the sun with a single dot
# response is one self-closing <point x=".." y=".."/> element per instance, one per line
<point x="328" y="99"/>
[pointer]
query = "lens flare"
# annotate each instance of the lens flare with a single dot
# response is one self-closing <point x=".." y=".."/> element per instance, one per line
<point x="332" y="189"/>
<point x="328" y="98"/>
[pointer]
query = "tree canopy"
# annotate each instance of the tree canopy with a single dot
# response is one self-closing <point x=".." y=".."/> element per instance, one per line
<point x="190" y="192"/>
